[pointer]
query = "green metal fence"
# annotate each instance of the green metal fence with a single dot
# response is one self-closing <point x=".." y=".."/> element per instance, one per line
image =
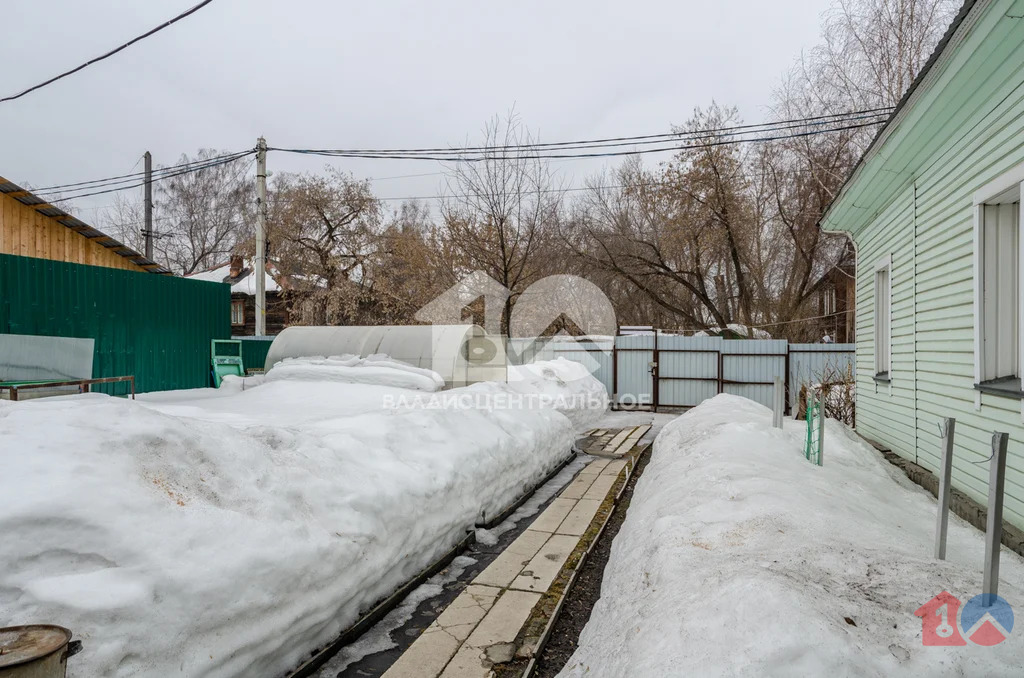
<point x="155" y="327"/>
<point x="254" y="352"/>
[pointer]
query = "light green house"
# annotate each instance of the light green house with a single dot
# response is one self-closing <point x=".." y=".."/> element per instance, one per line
<point x="934" y="211"/>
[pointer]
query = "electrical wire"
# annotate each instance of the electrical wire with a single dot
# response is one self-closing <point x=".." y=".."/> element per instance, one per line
<point x="96" y="183"/>
<point x="723" y="136"/>
<point x="189" y="170"/>
<point x="109" y="54"/>
<point x="458" y="157"/>
<point x="634" y="140"/>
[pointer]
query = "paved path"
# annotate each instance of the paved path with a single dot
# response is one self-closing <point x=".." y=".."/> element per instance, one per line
<point x="487" y="624"/>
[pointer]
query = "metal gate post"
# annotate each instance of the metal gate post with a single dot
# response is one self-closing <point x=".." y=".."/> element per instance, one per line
<point x="720" y="370"/>
<point x="778" y="403"/>
<point x="654" y="372"/>
<point x="821" y="429"/>
<point x="785" y="377"/>
<point x="946" y="429"/>
<point x="615" y="371"/>
<point x="994" y="531"/>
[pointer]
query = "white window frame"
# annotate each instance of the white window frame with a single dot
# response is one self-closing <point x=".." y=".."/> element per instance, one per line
<point x="235" y="303"/>
<point x="984" y="195"/>
<point x="885" y="263"/>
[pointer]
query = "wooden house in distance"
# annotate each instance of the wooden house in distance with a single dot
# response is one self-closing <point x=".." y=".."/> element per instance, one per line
<point x="241" y="275"/>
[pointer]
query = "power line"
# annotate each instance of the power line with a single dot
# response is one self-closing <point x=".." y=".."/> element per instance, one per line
<point x="97" y="183"/>
<point x="632" y="140"/>
<point x="538" y="156"/>
<point x="570" y="189"/>
<point x="109" y="54"/>
<point x="612" y="141"/>
<point x="723" y="136"/>
<point x="188" y="170"/>
<point x="800" y="320"/>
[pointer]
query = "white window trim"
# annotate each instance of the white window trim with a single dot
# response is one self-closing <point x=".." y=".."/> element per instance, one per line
<point x="886" y="263"/>
<point x="990" y="191"/>
<point x="234" y="304"/>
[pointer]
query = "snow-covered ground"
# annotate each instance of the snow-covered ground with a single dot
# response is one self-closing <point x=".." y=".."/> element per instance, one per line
<point x="229" y="532"/>
<point x="740" y="558"/>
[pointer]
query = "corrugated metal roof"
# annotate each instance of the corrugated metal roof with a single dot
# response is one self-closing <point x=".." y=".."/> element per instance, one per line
<point x="75" y="224"/>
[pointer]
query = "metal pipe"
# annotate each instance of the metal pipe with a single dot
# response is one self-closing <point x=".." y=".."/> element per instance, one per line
<point x="994" y="531"/>
<point x="946" y="429"/>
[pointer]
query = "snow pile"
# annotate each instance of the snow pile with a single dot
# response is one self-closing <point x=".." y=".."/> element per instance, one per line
<point x="740" y="558"/>
<point x="351" y="369"/>
<point x="740" y="330"/>
<point x="231" y="532"/>
<point x="566" y="385"/>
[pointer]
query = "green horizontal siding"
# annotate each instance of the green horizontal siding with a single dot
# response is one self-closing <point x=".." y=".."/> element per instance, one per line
<point x="914" y="200"/>
<point x="157" y="328"/>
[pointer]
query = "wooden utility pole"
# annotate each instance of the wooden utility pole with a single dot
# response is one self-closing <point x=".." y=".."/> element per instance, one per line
<point x="261" y="237"/>
<point x="148" y="232"/>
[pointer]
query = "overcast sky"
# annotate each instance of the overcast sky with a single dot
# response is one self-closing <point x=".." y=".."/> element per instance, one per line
<point x="377" y="73"/>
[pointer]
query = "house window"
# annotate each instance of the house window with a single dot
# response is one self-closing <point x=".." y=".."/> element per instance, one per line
<point x="998" y="279"/>
<point x="237" y="311"/>
<point x="829" y="301"/>
<point x="883" y="318"/>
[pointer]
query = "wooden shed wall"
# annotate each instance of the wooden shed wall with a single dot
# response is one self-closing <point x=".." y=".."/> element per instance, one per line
<point x="27" y="233"/>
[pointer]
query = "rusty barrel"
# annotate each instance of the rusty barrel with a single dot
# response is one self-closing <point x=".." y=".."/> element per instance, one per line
<point x="36" y="651"/>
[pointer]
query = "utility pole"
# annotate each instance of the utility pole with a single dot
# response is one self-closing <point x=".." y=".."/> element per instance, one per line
<point x="261" y="237"/>
<point x="148" y="232"/>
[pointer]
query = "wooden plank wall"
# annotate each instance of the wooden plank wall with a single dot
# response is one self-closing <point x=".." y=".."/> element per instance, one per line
<point x="27" y="233"/>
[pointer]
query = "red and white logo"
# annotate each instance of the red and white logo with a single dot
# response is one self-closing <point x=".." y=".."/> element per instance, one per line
<point x="939" y="621"/>
<point x="985" y="620"/>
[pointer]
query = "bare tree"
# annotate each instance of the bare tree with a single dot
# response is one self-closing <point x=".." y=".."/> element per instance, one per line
<point x="201" y="217"/>
<point x="323" y="229"/>
<point x="870" y="53"/>
<point x="125" y="220"/>
<point x="500" y="212"/>
<point x="685" y="235"/>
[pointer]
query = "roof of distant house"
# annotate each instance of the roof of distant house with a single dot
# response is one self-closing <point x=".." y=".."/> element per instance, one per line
<point x="244" y="282"/>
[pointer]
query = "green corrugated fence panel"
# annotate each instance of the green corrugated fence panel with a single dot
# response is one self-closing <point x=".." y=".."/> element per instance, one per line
<point x="157" y="328"/>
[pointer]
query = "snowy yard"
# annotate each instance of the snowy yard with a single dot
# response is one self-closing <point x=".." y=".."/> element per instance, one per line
<point x="229" y="532"/>
<point x="740" y="558"/>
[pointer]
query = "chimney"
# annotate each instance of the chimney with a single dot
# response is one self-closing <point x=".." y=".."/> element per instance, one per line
<point x="236" y="266"/>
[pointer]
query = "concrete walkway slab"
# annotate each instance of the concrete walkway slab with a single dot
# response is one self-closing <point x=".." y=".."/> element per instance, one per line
<point x="432" y="651"/>
<point x="493" y="640"/>
<point x="618" y="439"/>
<point x="578" y="487"/>
<point x="507" y="566"/>
<point x="542" y="569"/>
<point x="578" y="519"/>
<point x="599" y="489"/>
<point x="482" y="627"/>
<point x="553" y="515"/>
<point x="595" y="467"/>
